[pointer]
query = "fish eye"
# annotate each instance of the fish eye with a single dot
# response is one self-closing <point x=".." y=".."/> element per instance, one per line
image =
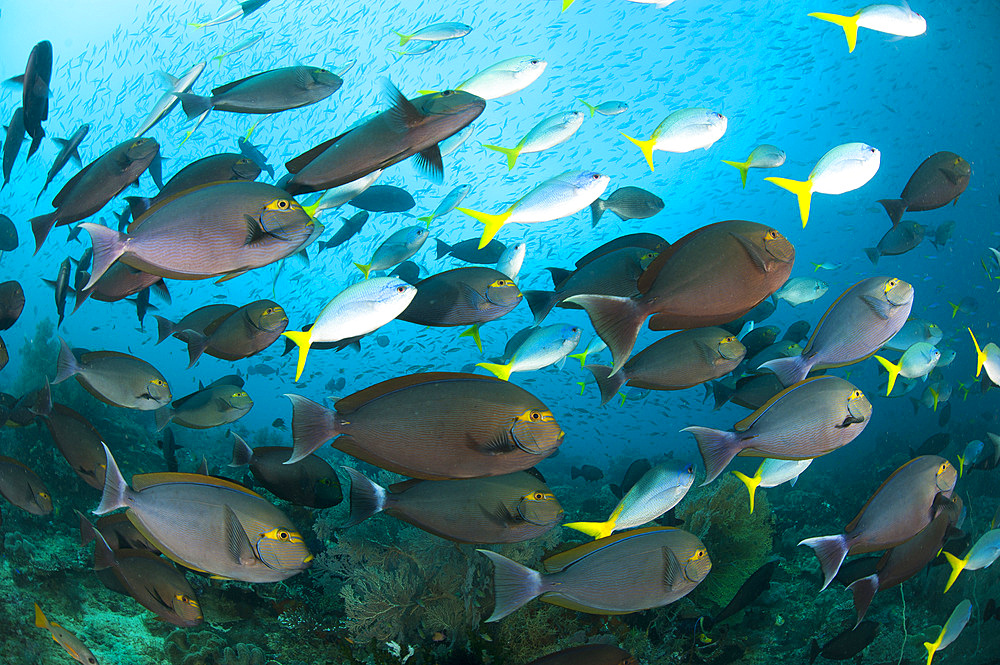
<point x="535" y="61"/>
<point x="699" y="554"/>
<point x="136" y="143"/>
<point x="269" y="310"/>
<point x="400" y="289"/>
<point x="538" y="496"/>
<point x="324" y="481"/>
<point x="944" y="467"/>
<point x="596" y="176"/>
<point x="158" y="382"/>
<point x="447" y="93"/>
<point x="282" y="204"/>
<point x="729" y="340"/>
<point x="535" y="415"/>
<point x="771" y="235"/>
<point x="44" y="495"/>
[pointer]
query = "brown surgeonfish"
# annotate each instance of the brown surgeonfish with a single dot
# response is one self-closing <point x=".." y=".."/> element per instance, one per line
<point x="35" y="90"/>
<point x="219" y="230"/>
<point x="434" y="426"/>
<point x="119" y="282"/>
<point x="266" y="92"/>
<point x="854" y="327"/>
<point x="939" y="180"/>
<point x="462" y="297"/>
<point x="809" y="419"/>
<point x="78" y="441"/>
<point x="67" y="640"/>
<point x="219" y="403"/>
<point x="612" y="274"/>
<point x="96" y="184"/>
<point x="898" y="510"/>
<point x="906" y="560"/>
<point x="152" y="580"/>
<point x="408" y="127"/>
<point x="710" y="276"/>
<point x="11" y="303"/>
<point x="624" y="573"/>
<point x="208" y="524"/>
<point x="245" y="332"/>
<point x="500" y="509"/>
<point x="900" y="239"/>
<point x="114" y="378"/>
<point x="309" y="482"/>
<point x="681" y="360"/>
<point x="198" y="320"/>
<point x="23" y="488"/>
<point x="120" y="534"/>
<point x="588" y="654"/>
<point x="214" y="168"/>
<point x="650" y="241"/>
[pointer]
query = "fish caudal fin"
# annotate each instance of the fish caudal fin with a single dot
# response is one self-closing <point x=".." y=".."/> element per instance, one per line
<point x="893" y="373"/>
<point x="608" y="383"/>
<point x="957" y="566"/>
<point x="864" y="590"/>
<point x="742" y="167"/>
<point x="597" y="209"/>
<point x="594" y="529"/>
<point x="163" y="417"/>
<point x="312" y="425"/>
<point x="717" y="449"/>
<point x="540" y="303"/>
<point x="848" y="23"/>
<point x="566" y="4"/>
<point x="427" y="219"/>
<point x="511" y="153"/>
<point x="194" y="105"/>
<point x="590" y="106"/>
<point x="196" y="345"/>
<point x="367" y="497"/>
<point x="164" y="328"/>
<point x="500" y="371"/>
<point x="645" y="146"/>
<point x="895" y="209"/>
<point x="303" y="340"/>
<point x="473" y="332"/>
<point x="242" y="453"/>
<point x="403" y="39"/>
<point x="491" y="222"/>
<point x="616" y="320"/>
<point x="831" y="552"/>
<point x="980" y="354"/>
<point x="873" y="255"/>
<point x="789" y="370"/>
<point x="365" y="268"/>
<point x="751" y="482"/>
<point x="40" y="227"/>
<point x="514" y="585"/>
<point x="116" y="490"/>
<point x="66" y="364"/>
<point x="108" y="246"/>
<point x="802" y="189"/>
<point x="40" y="620"/>
<point x="443" y="248"/>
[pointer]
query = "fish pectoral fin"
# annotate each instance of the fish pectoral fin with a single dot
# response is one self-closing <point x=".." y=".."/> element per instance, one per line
<point x="501" y="515"/>
<point x="402" y="113"/>
<point x="495" y="446"/>
<point x="850" y="420"/>
<point x="237" y="542"/>
<point x="879" y="306"/>
<point x="476" y="300"/>
<point x="256" y="231"/>
<point x="429" y="163"/>
<point x="753" y="252"/>
<point x="671" y="569"/>
<point x="950" y="175"/>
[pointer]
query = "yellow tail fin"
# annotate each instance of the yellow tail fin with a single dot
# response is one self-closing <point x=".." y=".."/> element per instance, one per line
<point x="402" y="38"/>
<point x="473" y="332"/>
<point x="501" y="371"/>
<point x="512" y="153"/>
<point x="954" y="309"/>
<point x="595" y="529"/>
<point x="302" y="339"/>
<point x="848" y="23"/>
<point x="957" y="566"/>
<point x="364" y="268"/>
<point x="893" y="373"/>
<point x="426" y="220"/>
<point x="935" y="395"/>
<point x="980" y="354"/>
<point x="961" y="465"/>
<point x="40" y="620"/>
<point x="742" y="167"/>
<point x="588" y="105"/>
<point x="802" y="189"/>
<point x="645" y="146"/>
<point x="566" y="4"/>
<point x="493" y="223"/>
<point x="751" y="483"/>
<point x="582" y="357"/>
<point x="312" y="208"/>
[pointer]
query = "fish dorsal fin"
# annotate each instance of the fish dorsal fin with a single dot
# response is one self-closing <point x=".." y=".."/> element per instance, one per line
<point x="237" y="543"/>
<point x="102" y="355"/>
<point x="748" y="422"/>
<point x="808" y="347"/>
<point x="401" y="112"/>
<point x="136" y="221"/>
<point x="298" y="163"/>
<point x="223" y="89"/>
<point x="214" y="325"/>
<point x="857" y="518"/>
<point x="402" y="486"/>
<point x="11" y="460"/>
<point x="68" y="187"/>
<point x="671" y="569"/>
<point x="353" y="402"/>
<point x="147" y="480"/>
<point x="558" y="562"/>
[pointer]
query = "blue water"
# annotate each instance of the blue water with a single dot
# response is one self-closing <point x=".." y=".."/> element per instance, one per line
<point x="778" y="75"/>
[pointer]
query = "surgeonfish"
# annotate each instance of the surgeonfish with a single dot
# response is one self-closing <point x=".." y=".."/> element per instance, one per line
<point x="654" y="494"/>
<point x="23" y="488"/>
<point x="842" y="169"/>
<point x="939" y="180"/>
<point x="309" y="482"/>
<point x="114" y="378"/>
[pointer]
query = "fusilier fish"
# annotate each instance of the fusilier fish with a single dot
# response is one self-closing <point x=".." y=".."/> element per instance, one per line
<point x="889" y="19"/>
<point x="395" y="249"/>
<point x="437" y="32"/>
<point x="807" y="420"/>
<point x="500" y="509"/>
<point x="447" y="204"/>
<point x="433" y="426"/>
<point x="897" y="511"/>
<point x="858" y="323"/>
<point x="646" y="568"/>
<point x="683" y="131"/>
<point x="764" y="156"/>
<point x="771" y="473"/>
<point x="559" y="196"/>
<point x="612" y="107"/>
<point x="358" y="310"/>
<point x="114" y="378"/>
<point x="208" y="524"/>
<point x="842" y="169"/>
<point x="545" y="346"/>
<point x="654" y="494"/>
<point x="548" y="133"/>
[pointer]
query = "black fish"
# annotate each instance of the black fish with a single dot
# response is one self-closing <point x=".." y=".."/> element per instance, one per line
<point x="408" y="271"/>
<point x="848" y="644"/>
<point x="635" y="471"/>
<point x="758" y="582"/>
<point x="468" y="251"/>
<point x="68" y="151"/>
<point x="11" y="303"/>
<point x="221" y="167"/>
<point x="12" y="143"/>
<point x="279" y="423"/>
<point x="349" y="229"/>
<point x="796" y="332"/>
<point x="587" y="472"/>
<point x="62" y="288"/>
<point x="383" y="198"/>
<point x="932" y="445"/>
<point x="8" y="234"/>
<point x="35" y="92"/>
<point x="169" y="447"/>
